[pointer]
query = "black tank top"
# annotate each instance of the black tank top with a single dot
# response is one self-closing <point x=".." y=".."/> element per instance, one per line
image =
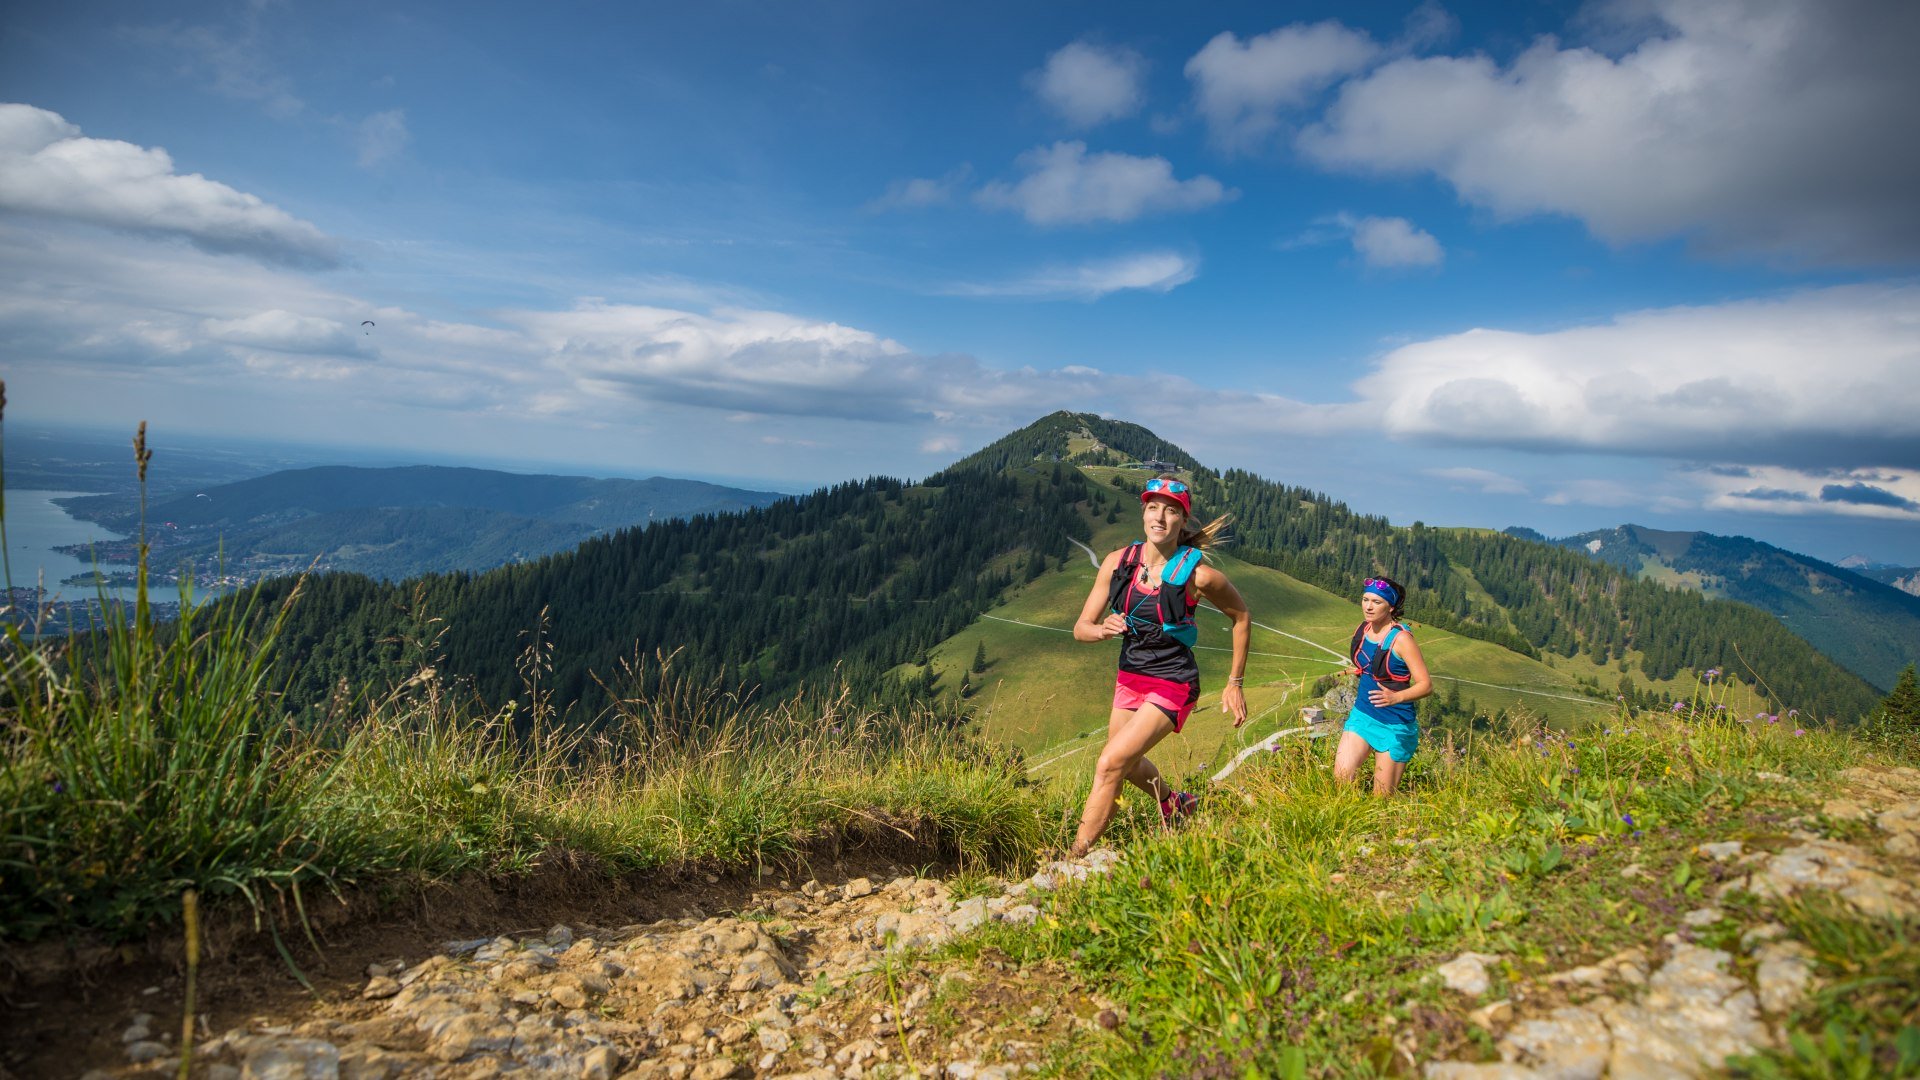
<point x="1146" y="649"/>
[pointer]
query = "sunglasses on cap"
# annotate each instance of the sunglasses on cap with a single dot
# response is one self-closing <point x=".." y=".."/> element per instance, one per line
<point x="1171" y="487"/>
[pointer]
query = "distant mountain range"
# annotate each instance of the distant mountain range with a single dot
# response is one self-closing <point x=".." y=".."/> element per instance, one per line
<point x="1867" y="619"/>
<point x="1904" y="578"/>
<point x="396" y="522"/>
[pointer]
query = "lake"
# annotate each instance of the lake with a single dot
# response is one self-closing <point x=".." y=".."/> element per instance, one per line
<point x="35" y="526"/>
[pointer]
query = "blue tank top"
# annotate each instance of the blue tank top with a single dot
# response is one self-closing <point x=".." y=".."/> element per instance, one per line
<point x="1403" y="713"/>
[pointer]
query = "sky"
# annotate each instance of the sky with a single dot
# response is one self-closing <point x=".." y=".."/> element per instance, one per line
<point x="1544" y="264"/>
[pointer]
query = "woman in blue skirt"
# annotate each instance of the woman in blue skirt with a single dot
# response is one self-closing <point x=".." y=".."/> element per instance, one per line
<point x="1393" y="675"/>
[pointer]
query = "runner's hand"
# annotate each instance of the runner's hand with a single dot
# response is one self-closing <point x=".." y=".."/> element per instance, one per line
<point x="1234" y="701"/>
<point x="1381" y="697"/>
<point x="1115" y="625"/>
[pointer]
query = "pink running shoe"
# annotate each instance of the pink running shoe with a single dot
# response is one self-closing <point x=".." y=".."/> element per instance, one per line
<point x="1175" y="807"/>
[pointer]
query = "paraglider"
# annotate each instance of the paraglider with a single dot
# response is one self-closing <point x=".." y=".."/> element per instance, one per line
<point x="368" y="322"/>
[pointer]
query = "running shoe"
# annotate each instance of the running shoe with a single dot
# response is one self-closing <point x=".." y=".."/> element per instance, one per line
<point x="1177" y="806"/>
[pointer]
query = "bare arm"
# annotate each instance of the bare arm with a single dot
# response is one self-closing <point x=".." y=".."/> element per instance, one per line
<point x="1216" y="588"/>
<point x="1096" y="623"/>
<point x="1408" y="650"/>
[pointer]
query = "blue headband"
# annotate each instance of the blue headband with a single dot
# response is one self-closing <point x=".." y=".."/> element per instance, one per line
<point x="1383" y="590"/>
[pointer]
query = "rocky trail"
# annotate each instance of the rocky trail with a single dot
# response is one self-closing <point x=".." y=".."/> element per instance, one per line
<point x="831" y="979"/>
<point x="1682" y="1009"/>
<point x="813" y="981"/>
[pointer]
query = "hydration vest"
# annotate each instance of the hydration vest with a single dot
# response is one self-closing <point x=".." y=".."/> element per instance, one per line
<point x="1176" y="615"/>
<point x="1378" y="669"/>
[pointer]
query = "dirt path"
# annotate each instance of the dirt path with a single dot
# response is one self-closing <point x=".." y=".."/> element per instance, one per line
<point x="816" y="980"/>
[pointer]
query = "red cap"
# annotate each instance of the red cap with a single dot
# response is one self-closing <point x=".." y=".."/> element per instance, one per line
<point x="1174" y="491"/>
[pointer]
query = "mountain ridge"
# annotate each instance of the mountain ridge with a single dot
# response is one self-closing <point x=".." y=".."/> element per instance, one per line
<point x="1868" y="625"/>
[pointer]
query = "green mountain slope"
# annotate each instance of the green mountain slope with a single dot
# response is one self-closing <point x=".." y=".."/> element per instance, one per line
<point x="864" y="583"/>
<point x="1870" y="627"/>
<point x="1530" y="597"/>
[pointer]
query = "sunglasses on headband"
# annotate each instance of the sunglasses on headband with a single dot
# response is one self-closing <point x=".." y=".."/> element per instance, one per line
<point x="1172" y="487"/>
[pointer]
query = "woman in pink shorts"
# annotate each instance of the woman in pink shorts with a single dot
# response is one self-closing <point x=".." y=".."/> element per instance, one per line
<point x="1146" y="595"/>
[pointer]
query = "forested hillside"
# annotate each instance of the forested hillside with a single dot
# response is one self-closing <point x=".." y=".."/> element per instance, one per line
<point x="1871" y="628"/>
<point x="847" y="583"/>
<point x="839" y="585"/>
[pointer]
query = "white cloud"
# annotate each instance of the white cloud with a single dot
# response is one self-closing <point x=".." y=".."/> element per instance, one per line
<point x="1393" y="242"/>
<point x="940" y="444"/>
<point x="1485" y="481"/>
<point x="1241" y="88"/>
<point x="1781" y="130"/>
<point x="1822" y="377"/>
<point x="1090" y="84"/>
<point x="49" y="169"/>
<point x="1871" y="493"/>
<point x="920" y="191"/>
<point x="382" y="136"/>
<point x="285" y="331"/>
<point x="1149" y="271"/>
<point x="1065" y="185"/>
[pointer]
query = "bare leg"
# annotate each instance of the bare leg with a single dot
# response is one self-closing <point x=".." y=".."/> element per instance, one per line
<point x="1145" y="774"/>
<point x="1346" y="761"/>
<point x="1118" y="760"/>
<point x="1386" y="775"/>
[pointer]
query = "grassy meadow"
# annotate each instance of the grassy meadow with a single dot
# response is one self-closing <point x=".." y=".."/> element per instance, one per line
<point x="1291" y="928"/>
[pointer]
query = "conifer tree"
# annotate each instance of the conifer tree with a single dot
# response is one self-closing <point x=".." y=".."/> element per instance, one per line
<point x="1899" y="714"/>
<point x="980" y="657"/>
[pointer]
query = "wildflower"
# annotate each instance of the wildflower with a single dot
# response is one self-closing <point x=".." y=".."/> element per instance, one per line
<point x="1679" y="705"/>
<point x="1791" y="713"/>
<point x="1636" y="834"/>
<point x="1719" y="708"/>
<point x="1773" y="719"/>
<point x="1619" y="697"/>
<point x="1799" y="731"/>
<point x="1609" y="731"/>
<point x="1713" y="673"/>
<point x="1627" y="818"/>
<point x="1576" y="770"/>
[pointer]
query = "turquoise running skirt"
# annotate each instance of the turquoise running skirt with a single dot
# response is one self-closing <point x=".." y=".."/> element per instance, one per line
<point x="1397" y="741"/>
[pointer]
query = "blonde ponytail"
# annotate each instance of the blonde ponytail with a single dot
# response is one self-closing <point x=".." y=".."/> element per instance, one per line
<point x="1207" y="537"/>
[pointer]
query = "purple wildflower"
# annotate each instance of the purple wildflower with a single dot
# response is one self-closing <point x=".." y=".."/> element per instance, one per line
<point x="1799" y="731"/>
<point x="1719" y="708"/>
<point x="1679" y="705"/>
<point x="1791" y="713"/>
<point x="1773" y="719"/>
<point x="1576" y="770"/>
<point x="1628" y="818"/>
<point x="1713" y="673"/>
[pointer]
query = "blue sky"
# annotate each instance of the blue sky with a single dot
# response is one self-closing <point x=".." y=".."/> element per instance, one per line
<point x="1547" y="264"/>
